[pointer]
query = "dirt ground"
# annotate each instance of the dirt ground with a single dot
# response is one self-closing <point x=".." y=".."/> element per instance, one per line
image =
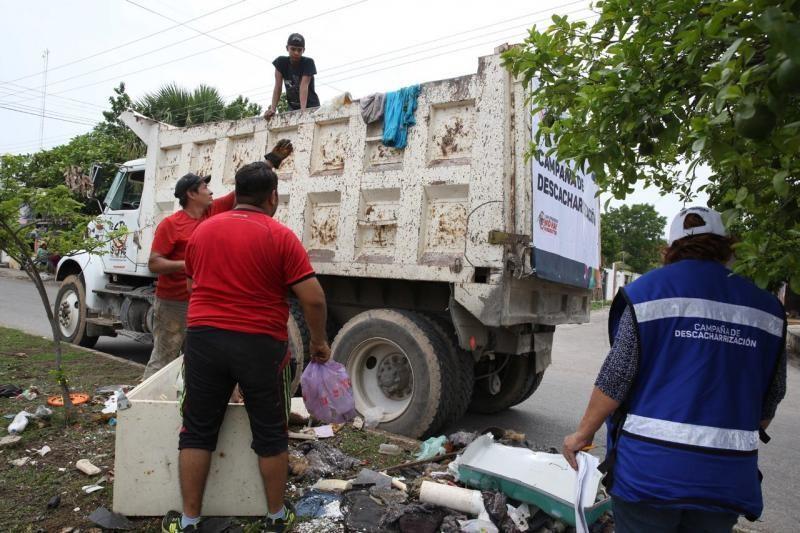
<point x="28" y="361"/>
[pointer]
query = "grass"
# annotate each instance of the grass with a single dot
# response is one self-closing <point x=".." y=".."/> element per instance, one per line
<point x="27" y="361"/>
<point x="600" y="304"/>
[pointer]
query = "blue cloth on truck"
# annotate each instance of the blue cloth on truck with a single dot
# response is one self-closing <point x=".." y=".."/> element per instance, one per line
<point x="399" y="115"/>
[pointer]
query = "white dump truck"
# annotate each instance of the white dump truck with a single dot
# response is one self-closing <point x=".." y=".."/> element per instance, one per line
<point x="446" y="265"/>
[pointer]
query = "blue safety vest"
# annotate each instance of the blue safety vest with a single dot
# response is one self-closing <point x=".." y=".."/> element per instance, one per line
<point x="687" y="435"/>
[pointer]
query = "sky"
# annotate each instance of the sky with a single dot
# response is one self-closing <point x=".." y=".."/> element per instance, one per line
<point x="360" y="46"/>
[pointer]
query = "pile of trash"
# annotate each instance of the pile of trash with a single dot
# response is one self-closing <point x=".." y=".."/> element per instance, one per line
<point x="490" y="481"/>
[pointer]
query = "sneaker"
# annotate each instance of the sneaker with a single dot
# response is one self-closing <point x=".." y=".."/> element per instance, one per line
<point x="172" y="524"/>
<point x="281" y="525"/>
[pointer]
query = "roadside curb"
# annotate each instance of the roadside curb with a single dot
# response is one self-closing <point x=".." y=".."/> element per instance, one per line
<point x="104" y="354"/>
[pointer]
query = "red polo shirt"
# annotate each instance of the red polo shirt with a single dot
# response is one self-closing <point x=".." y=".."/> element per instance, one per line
<point x="170" y="240"/>
<point x="242" y="264"/>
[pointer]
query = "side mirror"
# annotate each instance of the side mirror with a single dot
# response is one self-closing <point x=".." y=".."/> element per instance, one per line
<point x="98" y="180"/>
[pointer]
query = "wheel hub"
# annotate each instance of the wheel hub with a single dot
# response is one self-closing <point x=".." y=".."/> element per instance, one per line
<point x="394" y="376"/>
<point x="67" y="313"/>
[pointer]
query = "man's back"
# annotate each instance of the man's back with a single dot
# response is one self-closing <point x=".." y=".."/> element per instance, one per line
<point x="242" y="262"/>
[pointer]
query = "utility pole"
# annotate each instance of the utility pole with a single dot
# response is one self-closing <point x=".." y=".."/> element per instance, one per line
<point x="45" y="56"/>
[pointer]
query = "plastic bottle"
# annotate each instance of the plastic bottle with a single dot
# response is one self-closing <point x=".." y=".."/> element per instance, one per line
<point x="19" y="423"/>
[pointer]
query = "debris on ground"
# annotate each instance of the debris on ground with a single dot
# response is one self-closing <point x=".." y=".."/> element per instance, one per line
<point x="44" y="450"/>
<point x="390" y="449"/>
<point x="9" y="391"/>
<point x="19" y="423"/>
<point x="431" y="448"/>
<point x="9" y="440"/>
<point x="85" y="466"/>
<point x="22" y="461"/>
<point x="110" y="520"/>
<point x="318" y="504"/>
<point x="54" y="502"/>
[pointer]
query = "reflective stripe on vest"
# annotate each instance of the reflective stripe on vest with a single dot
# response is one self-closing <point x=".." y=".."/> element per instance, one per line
<point x="710" y="309"/>
<point x="691" y="434"/>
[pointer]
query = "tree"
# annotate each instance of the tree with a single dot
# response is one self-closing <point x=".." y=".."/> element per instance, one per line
<point x="636" y="231"/>
<point x="652" y="86"/>
<point x="58" y="220"/>
<point x="180" y="107"/>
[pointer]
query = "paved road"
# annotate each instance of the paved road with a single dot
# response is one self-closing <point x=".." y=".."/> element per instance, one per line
<point x="552" y="412"/>
<point x="21" y="307"/>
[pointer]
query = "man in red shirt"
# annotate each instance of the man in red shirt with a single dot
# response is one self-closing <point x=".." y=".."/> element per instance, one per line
<point x="167" y="259"/>
<point x="242" y="264"/>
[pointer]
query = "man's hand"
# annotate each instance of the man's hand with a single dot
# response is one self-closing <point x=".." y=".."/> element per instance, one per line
<point x="269" y="113"/>
<point x="572" y="445"/>
<point x="283" y="149"/>
<point x="320" y="351"/>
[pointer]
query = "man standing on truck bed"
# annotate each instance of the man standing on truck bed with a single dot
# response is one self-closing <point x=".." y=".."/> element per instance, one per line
<point x="241" y="265"/>
<point x="167" y="259"/>
<point x="297" y="73"/>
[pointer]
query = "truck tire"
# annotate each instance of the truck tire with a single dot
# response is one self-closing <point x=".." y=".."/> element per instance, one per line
<point x="463" y="369"/>
<point x="518" y="380"/>
<point x="397" y="361"/>
<point x="70" y="312"/>
<point x="298" y="342"/>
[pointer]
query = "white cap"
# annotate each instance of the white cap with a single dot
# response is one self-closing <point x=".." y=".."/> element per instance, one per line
<point x="713" y="224"/>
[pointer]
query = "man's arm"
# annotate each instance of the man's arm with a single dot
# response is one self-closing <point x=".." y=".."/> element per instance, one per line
<point x="305" y="81"/>
<point x="315" y="310"/>
<point x="189" y="283"/>
<point x="276" y="95"/>
<point x="158" y="264"/>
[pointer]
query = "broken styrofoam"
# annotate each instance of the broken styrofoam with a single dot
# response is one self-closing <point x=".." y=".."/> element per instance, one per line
<point x="20" y="462"/>
<point x="44" y="450"/>
<point x="85" y="466"/>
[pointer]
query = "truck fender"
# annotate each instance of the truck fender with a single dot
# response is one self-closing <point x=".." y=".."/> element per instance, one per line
<point x="90" y="268"/>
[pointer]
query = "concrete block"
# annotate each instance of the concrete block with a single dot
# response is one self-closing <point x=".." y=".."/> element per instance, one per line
<point x="146" y="463"/>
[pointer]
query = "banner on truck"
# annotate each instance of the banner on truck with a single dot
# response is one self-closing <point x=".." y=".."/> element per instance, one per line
<point x="566" y="220"/>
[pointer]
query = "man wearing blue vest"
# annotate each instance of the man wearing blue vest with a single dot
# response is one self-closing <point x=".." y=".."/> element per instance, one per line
<point x="696" y="370"/>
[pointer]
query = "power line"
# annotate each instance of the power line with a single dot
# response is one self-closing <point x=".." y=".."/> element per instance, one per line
<point x="56" y="114"/>
<point x="268" y="88"/>
<point x="82" y="102"/>
<point x="437" y="39"/>
<point x="46" y="116"/>
<point x="123" y="45"/>
<point x="200" y="52"/>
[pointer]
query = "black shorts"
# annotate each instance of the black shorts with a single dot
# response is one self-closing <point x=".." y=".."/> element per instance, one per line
<point x="214" y="362"/>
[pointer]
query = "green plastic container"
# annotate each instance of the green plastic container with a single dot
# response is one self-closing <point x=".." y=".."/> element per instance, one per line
<point x="552" y="505"/>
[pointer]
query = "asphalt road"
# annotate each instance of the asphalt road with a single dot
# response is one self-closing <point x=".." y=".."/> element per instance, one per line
<point x="552" y="412"/>
<point x="21" y="308"/>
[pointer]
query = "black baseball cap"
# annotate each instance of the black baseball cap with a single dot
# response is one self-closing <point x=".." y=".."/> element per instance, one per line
<point x="296" y="39"/>
<point x="187" y="182"/>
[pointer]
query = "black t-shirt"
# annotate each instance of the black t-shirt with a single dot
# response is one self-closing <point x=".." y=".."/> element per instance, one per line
<point x="292" y="74"/>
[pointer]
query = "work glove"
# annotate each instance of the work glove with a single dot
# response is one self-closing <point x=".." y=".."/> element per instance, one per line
<point x="281" y="151"/>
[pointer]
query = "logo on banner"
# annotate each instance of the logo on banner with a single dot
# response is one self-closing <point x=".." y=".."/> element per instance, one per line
<point x="547" y="223"/>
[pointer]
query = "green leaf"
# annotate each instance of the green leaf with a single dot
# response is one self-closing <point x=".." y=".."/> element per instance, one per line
<point x="779" y="182"/>
<point x="730" y="51"/>
<point x="741" y="196"/>
<point x="762" y="280"/>
<point x="699" y="144"/>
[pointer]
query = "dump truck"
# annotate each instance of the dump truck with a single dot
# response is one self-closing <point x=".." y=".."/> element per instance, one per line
<point x="446" y="264"/>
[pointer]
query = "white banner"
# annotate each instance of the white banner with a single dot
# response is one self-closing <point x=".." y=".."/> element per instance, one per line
<point x="566" y="212"/>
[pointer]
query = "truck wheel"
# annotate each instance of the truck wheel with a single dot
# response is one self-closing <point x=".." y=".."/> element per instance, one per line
<point x="298" y="342"/>
<point x="463" y="368"/>
<point x="504" y="382"/>
<point x="70" y="312"/>
<point x="398" y="362"/>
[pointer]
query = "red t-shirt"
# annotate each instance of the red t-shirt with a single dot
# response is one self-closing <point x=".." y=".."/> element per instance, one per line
<point x="170" y="240"/>
<point x="242" y="264"/>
